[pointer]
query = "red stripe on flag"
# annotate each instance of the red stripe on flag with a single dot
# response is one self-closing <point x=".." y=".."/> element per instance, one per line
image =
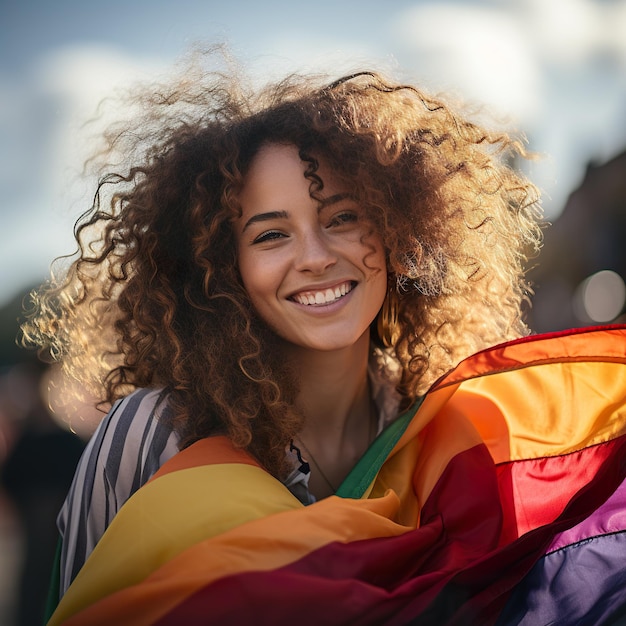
<point x="535" y="492"/>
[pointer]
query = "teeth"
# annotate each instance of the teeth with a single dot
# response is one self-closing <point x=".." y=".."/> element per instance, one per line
<point x="323" y="297"/>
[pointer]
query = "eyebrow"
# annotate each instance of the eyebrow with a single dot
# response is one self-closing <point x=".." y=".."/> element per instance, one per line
<point x="274" y="215"/>
<point x="263" y="217"/>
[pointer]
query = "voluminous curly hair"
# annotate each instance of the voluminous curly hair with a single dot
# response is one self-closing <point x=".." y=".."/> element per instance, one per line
<point x="154" y="297"/>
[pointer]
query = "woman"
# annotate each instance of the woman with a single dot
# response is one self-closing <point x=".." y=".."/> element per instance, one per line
<point x="269" y="286"/>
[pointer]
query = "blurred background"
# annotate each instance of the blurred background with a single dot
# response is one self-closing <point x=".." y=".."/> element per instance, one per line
<point x="555" y="69"/>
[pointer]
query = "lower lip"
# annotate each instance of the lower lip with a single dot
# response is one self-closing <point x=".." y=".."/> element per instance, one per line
<point x="331" y="307"/>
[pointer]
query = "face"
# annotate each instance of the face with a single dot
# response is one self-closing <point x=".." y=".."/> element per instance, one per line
<point x="315" y="274"/>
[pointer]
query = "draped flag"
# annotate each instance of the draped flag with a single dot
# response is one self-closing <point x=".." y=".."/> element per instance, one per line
<point x="498" y="499"/>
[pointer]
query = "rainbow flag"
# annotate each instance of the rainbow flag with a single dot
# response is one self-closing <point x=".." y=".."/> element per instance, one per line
<point x="498" y="499"/>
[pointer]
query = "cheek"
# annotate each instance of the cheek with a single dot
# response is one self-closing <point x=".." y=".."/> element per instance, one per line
<point x="260" y="282"/>
<point x="382" y="277"/>
<point x="253" y="280"/>
<point x="374" y="265"/>
<point x="247" y="273"/>
<point x="375" y="262"/>
<point x="380" y="288"/>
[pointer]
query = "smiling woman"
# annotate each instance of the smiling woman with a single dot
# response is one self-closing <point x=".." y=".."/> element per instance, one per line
<point x="289" y="300"/>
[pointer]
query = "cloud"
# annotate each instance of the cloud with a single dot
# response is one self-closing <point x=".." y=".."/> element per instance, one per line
<point x="42" y="117"/>
<point x="288" y="52"/>
<point x="569" y="32"/>
<point x="80" y="78"/>
<point x="479" y="52"/>
<point x="558" y="67"/>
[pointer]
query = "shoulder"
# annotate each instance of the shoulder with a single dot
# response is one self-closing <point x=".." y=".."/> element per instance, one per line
<point x="129" y="445"/>
<point x="139" y="410"/>
<point x="135" y="438"/>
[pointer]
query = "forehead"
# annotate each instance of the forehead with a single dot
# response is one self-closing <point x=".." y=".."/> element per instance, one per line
<point x="277" y="170"/>
<point x="272" y="162"/>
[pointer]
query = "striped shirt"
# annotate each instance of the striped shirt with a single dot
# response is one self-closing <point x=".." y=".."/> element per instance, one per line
<point x="130" y="444"/>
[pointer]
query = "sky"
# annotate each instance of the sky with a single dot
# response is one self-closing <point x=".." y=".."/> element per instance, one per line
<point x="554" y="69"/>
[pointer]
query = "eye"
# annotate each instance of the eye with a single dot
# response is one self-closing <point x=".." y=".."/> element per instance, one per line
<point x="345" y="217"/>
<point x="268" y="236"/>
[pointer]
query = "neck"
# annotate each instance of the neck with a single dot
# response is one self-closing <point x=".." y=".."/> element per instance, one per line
<point x="339" y="420"/>
<point x="334" y="393"/>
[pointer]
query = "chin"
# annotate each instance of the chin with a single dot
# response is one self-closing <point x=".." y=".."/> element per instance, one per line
<point x="327" y="344"/>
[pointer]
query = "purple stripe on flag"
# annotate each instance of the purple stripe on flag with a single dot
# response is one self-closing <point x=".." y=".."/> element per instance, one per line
<point x="608" y="518"/>
<point x="584" y="583"/>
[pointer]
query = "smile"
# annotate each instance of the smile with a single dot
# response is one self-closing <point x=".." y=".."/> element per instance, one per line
<point x="324" y="296"/>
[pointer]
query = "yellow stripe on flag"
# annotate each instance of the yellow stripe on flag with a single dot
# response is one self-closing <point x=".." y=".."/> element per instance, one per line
<point x="145" y="533"/>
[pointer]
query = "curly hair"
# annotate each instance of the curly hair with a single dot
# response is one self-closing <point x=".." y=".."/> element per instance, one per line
<point x="154" y="297"/>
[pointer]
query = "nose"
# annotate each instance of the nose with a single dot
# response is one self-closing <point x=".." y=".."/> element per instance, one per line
<point x="315" y="254"/>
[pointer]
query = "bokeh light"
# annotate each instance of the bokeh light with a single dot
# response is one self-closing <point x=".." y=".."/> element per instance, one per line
<point x="600" y="298"/>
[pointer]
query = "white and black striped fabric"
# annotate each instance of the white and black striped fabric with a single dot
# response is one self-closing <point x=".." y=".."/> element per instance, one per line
<point x="128" y="447"/>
